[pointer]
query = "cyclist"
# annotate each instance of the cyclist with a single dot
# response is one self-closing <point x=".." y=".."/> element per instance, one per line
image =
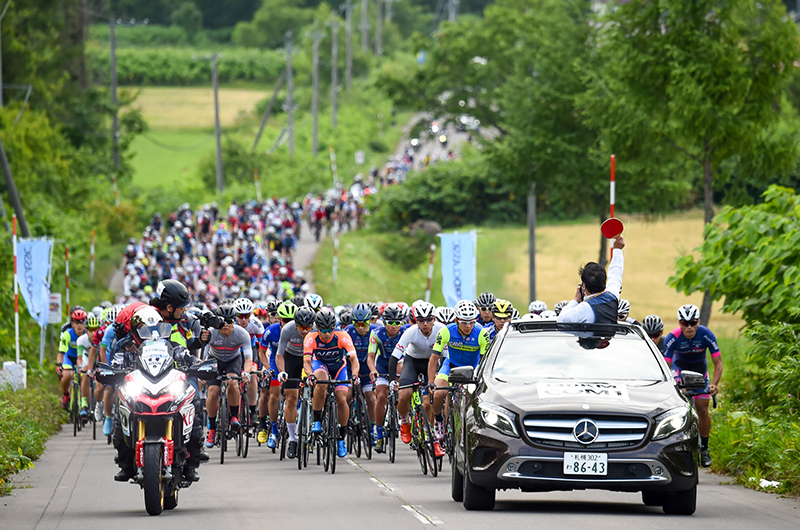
<point x="654" y="327"/>
<point x="685" y="349"/>
<point x="289" y="360"/>
<point x="360" y="331"/>
<point x="466" y="342"/>
<point x="501" y="313"/>
<point x="381" y="345"/>
<point x="623" y="310"/>
<point x="595" y="299"/>
<point x="414" y="349"/>
<point x="313" y="301"/>
<point x="68" y="352"/>
<point x="325" y="355"/>
<point x="537" y="307"/>
<point x="84" y="345"/>
<point x="484" y="303"/>
<point x="224" y="345"/>
<point x="445" y="315"/>
<point x="244" y="317"/>
<point x="269" y="401"/>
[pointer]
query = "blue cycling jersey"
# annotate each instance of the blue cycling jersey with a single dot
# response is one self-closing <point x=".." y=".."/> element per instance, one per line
<point x="690" y="354"/>
<point x="383" y="345"/>
<point x="361" y="342"/>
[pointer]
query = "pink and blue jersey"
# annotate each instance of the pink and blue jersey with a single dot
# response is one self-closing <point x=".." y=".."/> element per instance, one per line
<point x="690" y="354"/>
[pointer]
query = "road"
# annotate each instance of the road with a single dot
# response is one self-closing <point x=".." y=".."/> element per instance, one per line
<point x="72" y="488"/>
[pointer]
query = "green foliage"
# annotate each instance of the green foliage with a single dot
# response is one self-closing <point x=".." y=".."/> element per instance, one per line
<point x="271" y="22"/>
<point x="184" y="66"/>
<point x="407" y="251"/>
<point x="152" y="35"/>
<point x="750" y="256"/>
<point x="216" y="13"/>
<point x="188" y="18"/>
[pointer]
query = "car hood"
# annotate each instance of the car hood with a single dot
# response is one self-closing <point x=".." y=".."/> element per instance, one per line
<point x="556" y="395"/>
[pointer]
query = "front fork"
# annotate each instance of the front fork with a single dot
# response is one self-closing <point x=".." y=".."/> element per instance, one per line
<point x="169" y="449"/>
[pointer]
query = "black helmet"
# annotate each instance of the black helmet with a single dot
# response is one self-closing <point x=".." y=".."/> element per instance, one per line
<point x="298" y="300"/>
<point x="345" y="319"/>
<point x="227" y="312"/>
<point x="272" y="306"/>
<point x="325" y="319"/>
<point x="376" y="312"/>
<point x="172" y="292"/>
<point x="392" y="313"/>
<point x="304" y="317"/>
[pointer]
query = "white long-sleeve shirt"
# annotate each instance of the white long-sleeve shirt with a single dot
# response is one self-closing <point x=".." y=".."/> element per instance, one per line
<point x="583" y="312"/>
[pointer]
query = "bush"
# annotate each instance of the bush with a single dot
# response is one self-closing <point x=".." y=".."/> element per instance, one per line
<point x="141" y="36"/>
<point x="189" y="19"/>
<point x="406" y="251"/>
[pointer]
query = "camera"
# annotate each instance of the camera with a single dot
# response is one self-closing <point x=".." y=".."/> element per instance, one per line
<point x="210" y="320"/>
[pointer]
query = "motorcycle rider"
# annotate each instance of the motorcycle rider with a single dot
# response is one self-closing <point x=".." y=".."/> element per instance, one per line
<point x="142" y="322"/>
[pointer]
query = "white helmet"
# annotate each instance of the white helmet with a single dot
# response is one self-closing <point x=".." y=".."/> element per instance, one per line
<point x="424" y="310"/>
<point x="688" y="312"/>
<point x="243" y="306"/>
<point x="537" y="306"/>
<point x="548" y="315"/>
<point x="560" y="305"/>
<point x="623" y="308"/>
<point x="445" y="315"/>
<point x="466" y="311"/>
<point x="313" y="301"/>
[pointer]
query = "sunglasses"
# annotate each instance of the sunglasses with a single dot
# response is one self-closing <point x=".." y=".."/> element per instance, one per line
<point x="506" y="317"/>
<point x="286" y="320"/>
<point x="329" y="330"/>
<point x="365" y="323"/>
<point x="229" y="322"/>
<point x="394" y="323"/>
<point x="689" y="323"/>
<point x="485" y="308"/>
<point x="244" y="316"/>
<point x="426" y="320"/>
<point x="467" y="322"/>
<point x="79" y="322"/>
<point x="304" y="328"/>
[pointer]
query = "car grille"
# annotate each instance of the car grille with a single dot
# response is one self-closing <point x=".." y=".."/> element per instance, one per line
<point x="556" y="430"/>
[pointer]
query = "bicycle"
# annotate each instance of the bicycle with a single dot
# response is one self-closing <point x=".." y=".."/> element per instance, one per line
<point x="75" y="403"/>
<point x="448" y="442"/>
<point x="224" y="433"/>
<point x="359" y="430"/>
<point x="245" y="424"/>
<point x="304" y="438"/>
<point x="391" y="425"/>
<point x="421" y="436"/>
<point x="330" y="424"/>
<point x="92" y="405"/>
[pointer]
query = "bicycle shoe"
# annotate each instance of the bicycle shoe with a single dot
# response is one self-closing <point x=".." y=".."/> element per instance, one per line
<point x="437" y="450"/>
<point x="212" y="437"/>
<point x="705" y="458"/>
<point x="292" y="451"/>
<point x="342" y="448"/>
<point x="438" y="429"/>
<point x="316" y="427"/>
<point x="379" y="446"/>
<point x="272" y="441"/>
<point x="405" y="433"/>
<point x="65" y="402"/>
<point x="107" y="424"/>
<point x="262" y="437"/>
<point x="235" y="425"/>
<point x="98" y="411"/>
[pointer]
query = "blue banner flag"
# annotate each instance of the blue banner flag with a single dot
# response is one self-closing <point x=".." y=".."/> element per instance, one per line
<point x="458" y="267"/>
<point x="33" y="269"/>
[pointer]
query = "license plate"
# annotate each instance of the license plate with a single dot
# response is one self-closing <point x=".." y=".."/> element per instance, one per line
<point x="585" y="464"/>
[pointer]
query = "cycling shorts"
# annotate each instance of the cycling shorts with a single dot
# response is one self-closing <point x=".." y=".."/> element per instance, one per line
<point x="293" y="366"/>
<point x="412" y="367"/>
<point x="70" y="363"/>
<point x="702" y="393"/>
<point x="366" y="383"/>
<point x="335" y="370"/>
<point x="228" y="367"/>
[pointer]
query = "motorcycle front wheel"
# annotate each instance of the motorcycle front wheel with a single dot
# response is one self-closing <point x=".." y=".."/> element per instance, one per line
<point x="153" y="486"/>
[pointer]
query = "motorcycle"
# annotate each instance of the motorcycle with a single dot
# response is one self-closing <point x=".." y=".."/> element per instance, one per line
<point x="156" y="414"/>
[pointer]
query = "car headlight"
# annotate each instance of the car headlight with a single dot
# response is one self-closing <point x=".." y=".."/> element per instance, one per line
<point x="670" y="422"/>
<point x="499" y="419"/>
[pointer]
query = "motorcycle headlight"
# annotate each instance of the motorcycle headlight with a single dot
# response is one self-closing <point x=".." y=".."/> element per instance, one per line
<point x="670" y="422"/>
<point x="131" y="389"/>
<point x="442" y="138"/>
<point x="177" y="388"/>
<point x="499" y="419"/>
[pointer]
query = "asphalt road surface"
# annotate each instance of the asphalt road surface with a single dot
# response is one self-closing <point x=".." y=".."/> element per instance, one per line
<point x="72" y="487"/>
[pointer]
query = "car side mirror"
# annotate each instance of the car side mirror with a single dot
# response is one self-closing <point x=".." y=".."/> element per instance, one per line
<point x="106" y="375"/>
<point x="692" y="380"/>
<point x="462" y="375"/>
<point x="205" y="371"/>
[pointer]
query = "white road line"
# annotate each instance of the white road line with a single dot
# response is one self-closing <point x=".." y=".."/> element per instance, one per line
<point x="380" y="484"/>
<point x="412" y="511"/>
<point x="350" y="461"/>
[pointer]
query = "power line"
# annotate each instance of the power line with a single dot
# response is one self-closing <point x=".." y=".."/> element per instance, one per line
<point x="178" y="148"/>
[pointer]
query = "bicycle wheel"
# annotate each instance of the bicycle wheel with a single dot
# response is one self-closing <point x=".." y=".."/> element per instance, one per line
<point x="451" y="434"/>
<point x="333" y="435"/>
<point x="325" y="436"/>
<point x="92" y="406"/>
<point x="364" y="423"/>
<point x="222" y="426"/>
<point x="427" y="443"/>
<point x="302" y="448"/>
<point x="75" y="408"/>
<point x="354" y="430"/>
<point x="390" y="432"/>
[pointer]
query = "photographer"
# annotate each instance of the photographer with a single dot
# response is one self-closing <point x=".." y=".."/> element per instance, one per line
<point x="597" y="300"/>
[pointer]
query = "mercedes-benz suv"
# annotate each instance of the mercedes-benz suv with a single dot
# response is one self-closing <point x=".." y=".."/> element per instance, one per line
<point x="574" y="406"/>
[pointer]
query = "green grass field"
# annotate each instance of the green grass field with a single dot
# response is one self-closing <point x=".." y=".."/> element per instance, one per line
<point x="503" y="267"/>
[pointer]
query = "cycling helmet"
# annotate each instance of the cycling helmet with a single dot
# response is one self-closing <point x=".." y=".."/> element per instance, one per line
<point x="260" y="309"/>
<point x="548" y="315"/>
<point x="144" y="321"/>
<point x="105" y="304"/>
<point x="345" y="319"/>
<point x="486" y="299"/>
<point x="272" y="306"/>
<point x="514" y="313"/>
<point x="374" y="309"/>
<point x="304" y="317"/>
<point x="97" y="311"/>
<point x="392" y="313"/>
<point x="172" y="292"/>
<point x="110" y="314"/>
<point x="424" y="310"/>
<point x="298" y="300"/>
<point x="325" y="319"/>
<point x="243" y="306"/>
<point x="688" y="312"/>
<point x="287" y="310"/>
<point x="466" y="310"/>
<point x="92" y="322"/>
<point x="502" y="308"/>
<point x="314" y="301"/>
<point x="361" y="313"/>
<point x="227" y="312"/>
<point x="78" y="315"/>
<point x="537" y="306"/>
<point x="653" y="325"/>
<point x="559" y="306"/>
<point x="445" y="315"/>
<point x="623" y="308"/>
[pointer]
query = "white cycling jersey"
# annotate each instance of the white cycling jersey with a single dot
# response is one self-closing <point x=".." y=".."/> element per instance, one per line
<point x="416" y="345"/>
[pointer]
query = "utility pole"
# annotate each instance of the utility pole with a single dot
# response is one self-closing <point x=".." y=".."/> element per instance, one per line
<point x="8" y="3"/>
<point x="532" y="242"/>
<point x="13" y="194"/>
<point x="348" y="28"/>
<point x="315" y="95"/>
<point x="364" y="26"/>
<point x="267" y="112"/>
<point x="217" y="129"/>
<point x="453" y="5"/>
<point x="379" y="29"/>
<point x="290" y="93"/>
<point x="112" y="24"/>
<point x="334" y="69"/>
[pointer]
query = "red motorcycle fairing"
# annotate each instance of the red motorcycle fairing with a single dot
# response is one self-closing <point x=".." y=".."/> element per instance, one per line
<point x="163" y="397"/>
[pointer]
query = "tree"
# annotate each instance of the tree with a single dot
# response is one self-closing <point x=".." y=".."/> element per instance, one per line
<point x="750" y="256"/>
<point x="702" y="78"/>
<point x="188" y="18"/>
<point x="271" y="22"/>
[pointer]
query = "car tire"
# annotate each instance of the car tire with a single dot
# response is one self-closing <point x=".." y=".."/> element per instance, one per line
<point x="477" y="497"/>
<point x="681" y="502"/>
<point x="456" y="483"/>
<point x="653" y="498"/>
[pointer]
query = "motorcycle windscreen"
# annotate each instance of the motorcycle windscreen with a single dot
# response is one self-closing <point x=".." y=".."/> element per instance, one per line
<point x="154" y="356"/>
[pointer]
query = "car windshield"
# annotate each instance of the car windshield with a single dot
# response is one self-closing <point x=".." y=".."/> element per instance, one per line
<point x="544" y="355"/>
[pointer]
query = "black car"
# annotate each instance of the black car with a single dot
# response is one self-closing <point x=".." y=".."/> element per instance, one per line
<point x="575" y="406"/>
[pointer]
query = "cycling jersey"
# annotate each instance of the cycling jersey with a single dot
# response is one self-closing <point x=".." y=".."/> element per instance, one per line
<point x="415" y="344"/>
<point x="68" y="345"/>
<point x="255" y="328"/>
<point x="382" y="345"/>
<point x="269" y="341"/>
<point x="225" y="349"/>
<point x="361" y="342"/>
<point x="291" y="341"/>
<point x="462" y="351"/>
<point x="690" y="354"/>
<point x="491" y="330"/>
<point x="339" y="347"/>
